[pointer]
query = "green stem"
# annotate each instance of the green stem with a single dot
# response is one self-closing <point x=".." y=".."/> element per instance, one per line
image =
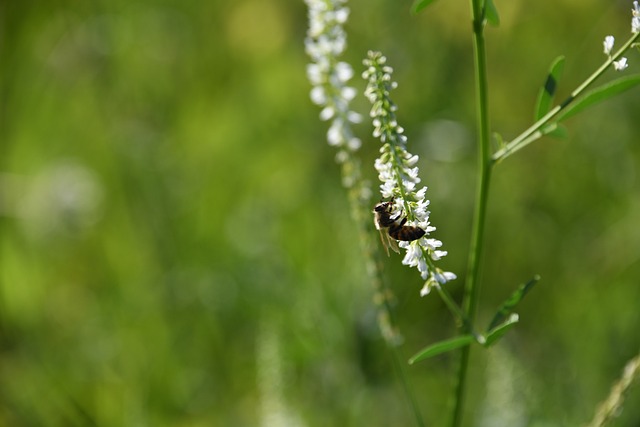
<point x="382" y="296"/>
<point x="472" y="288"/>
<point x="460" y="317"/>
<point x="399" y="362"/>
<point x="535" y="131"/>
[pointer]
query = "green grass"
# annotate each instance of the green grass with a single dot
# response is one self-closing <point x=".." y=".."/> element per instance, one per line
<point x="176" y="248"/>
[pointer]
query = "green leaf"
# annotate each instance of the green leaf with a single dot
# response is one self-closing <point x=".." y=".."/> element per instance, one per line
<point x="598" y="95"/>
<point x="555" y="130"/>
<point x="513" y="300"/>
<point x="548" y="90"/>
<point x="442" y="347"/>
<point x="418" y="5"/>
<point x="498" y="332"/>
<point x="491" y="13"/>
<point x="497" y="138"/>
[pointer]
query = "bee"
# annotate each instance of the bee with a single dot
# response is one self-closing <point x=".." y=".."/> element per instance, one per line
<point x="394" y="227"/>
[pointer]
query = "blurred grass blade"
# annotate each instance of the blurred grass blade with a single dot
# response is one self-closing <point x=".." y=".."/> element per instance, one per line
<point x="496" y="333"/>
<point x="491" y="13"/>
<point x="418" y="5"/>
<point x="513" y="300"/>
<point x="599" y="94"/>
<point x="548" y="90"/>
<point x="442" y="347"/>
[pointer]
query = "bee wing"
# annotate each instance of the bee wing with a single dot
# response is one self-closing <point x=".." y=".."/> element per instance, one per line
<point x="383" y="239"/>
<point x="393" y="244"/>
<point x="388" y="242"/>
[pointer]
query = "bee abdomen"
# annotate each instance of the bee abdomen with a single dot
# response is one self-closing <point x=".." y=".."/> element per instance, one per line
<point x="406" y="233"/>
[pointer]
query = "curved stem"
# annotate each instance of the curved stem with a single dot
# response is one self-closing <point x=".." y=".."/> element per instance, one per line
<point x="399" y="362"/>
<point x="460" y="317"/>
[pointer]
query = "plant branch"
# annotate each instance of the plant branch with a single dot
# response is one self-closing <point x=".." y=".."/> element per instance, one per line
<point x="535" y="131"/>
<point x="472" y="288"/>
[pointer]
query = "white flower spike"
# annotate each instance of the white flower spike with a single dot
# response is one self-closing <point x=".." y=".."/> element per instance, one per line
<point x="407" y="209"/>
<point x="326" y="41"/>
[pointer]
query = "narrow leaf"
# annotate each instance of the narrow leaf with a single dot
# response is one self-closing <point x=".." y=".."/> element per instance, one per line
<point x="513" y="300"/>
<point x="556" y="130"/>
<point x="560" y="132"/>
<point x="498" y="332"/>
<point x="418" y="5"/>
<point x="498" y="140"/>
<point x="491" y="13"/>
<point x="599" y="94"/>
<point x="548" y="90"/>
<point x="442" y="347"/>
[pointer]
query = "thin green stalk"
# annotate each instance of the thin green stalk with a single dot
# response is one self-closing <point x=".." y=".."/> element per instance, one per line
<point x="460" y="317"/>
<point x="534" y="132"/>
<point x="399" y="362"/>
<point x="386" y="323"/>
<point x="472" y="288"/>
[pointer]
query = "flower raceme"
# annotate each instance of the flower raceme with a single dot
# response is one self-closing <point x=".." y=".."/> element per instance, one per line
<point x="621" y="64"/>
<point x="398" y="173"/>
<point x="326" y="41"/>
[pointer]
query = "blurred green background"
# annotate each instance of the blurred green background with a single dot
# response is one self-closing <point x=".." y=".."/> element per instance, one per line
<point x="176" y="248"/>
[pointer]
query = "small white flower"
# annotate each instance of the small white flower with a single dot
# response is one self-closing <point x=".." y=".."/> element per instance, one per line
<point x="354" y="144"/>
<point x="314" y="74"/>
<point x="635" y="20"/>
<point x="341" y="157"/>
<point x="413" y="255"/>
<point x="318" y="95"/>
<point x="426" y="289"/>
<point x="436" y="255"/>
<point x="354" y="117"/>
<point x="386" y="189"/>
<point x="412" y="160"/>
<point x="608" y="44"/>
<point x="445" y="276"/>
<point x="327" y="113"/>
<point x="620" y="64"/>
<point x="343" y="71"/>
<point x="342" y="15"/>
<point x="335" y="136"/>
<point x="348" y="93"/>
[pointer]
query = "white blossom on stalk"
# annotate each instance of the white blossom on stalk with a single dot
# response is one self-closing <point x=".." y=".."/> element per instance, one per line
<point x="399" y="175"/>
<point x="326" y="41"/>
<point x="608" y="45"/>
<point x="620" y="64"/>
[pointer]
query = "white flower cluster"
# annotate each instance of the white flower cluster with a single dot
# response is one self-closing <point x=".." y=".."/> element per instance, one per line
<point x="325" y="42"/>
<point x="399" y="175"/>
<point x="621" y="64"/>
